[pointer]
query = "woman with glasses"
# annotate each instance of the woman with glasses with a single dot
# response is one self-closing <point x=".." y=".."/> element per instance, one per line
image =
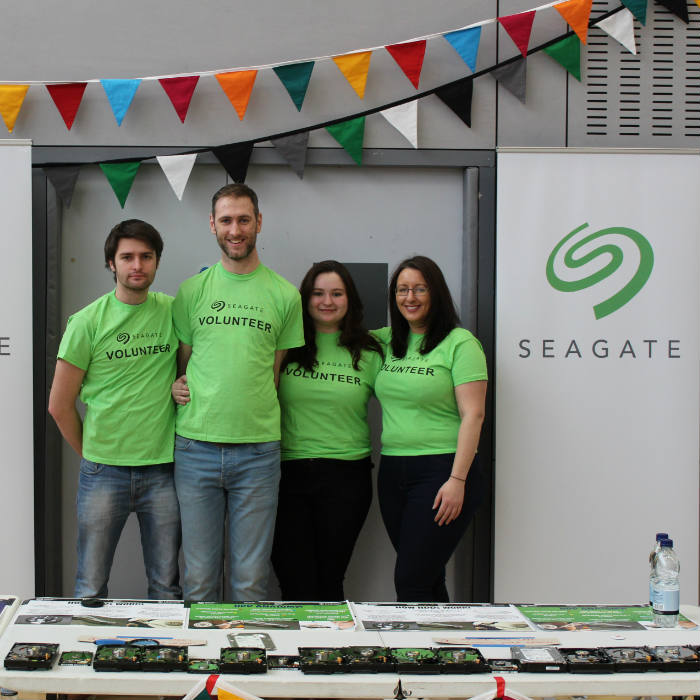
<point x="326" y="485"/>
<point x="432" y="388"/>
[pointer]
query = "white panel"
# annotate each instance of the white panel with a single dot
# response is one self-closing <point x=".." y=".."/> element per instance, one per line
<point x="350" y="214"/>
<point x="595" y="454"/>
<point x="16" y="414"/>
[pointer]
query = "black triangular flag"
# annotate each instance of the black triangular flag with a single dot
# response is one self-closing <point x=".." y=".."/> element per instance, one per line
<point x="677" y="7"/>
<point x="235" y="158"/>
<point x="63" y="179"/>
<point x="459" y="99"/>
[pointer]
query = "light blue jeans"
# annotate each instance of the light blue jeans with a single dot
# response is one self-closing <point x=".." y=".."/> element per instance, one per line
<point x="106" y="496"/>
<point x="215" y="481"/>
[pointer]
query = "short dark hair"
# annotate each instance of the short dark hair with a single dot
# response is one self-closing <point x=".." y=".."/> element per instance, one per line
<point x="235" y="190"/>
<point x="442" y="316"/>
<point x="353" y="334"/>
<point x="132" y="228"/>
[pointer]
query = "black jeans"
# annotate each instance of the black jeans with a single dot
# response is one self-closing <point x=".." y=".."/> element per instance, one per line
<point x="407" y="487"/>
<point x="323" y="504"/>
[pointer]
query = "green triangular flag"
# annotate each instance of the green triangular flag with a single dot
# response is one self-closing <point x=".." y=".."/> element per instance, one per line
<point x="568" y="53"/>
<point x="350" y="135"/>
<point x="121" y="176"/>
<point x="295" y="77"/>
<point x="638" y="8"/>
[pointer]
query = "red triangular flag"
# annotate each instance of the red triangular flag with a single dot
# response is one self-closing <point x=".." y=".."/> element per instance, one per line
<point x="409" y="56"/>
<point x="180" y="91"/>
<point x="519" y="27"/>
<point x="67" y="98"/>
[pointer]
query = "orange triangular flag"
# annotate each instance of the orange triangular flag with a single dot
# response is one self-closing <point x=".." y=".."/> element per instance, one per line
<point x="519" y="27"/>
<point x="238" y="85"/>
<point x="355" y="66"/>
<point x="576" y="13"/>
<point x="11" y="98"/>
<point x="409" y="56"/>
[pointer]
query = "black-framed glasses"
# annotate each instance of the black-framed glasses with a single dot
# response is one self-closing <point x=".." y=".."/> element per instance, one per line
<point x="420" y="290"/>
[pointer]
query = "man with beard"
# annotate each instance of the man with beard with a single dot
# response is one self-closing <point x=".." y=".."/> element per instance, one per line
<point x="118" y="354"/>
<point x="234" y="320"/>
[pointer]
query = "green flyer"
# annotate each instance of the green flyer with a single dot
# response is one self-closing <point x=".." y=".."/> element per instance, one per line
<point x="573" y="618"/>
<point x="271" y="616"/>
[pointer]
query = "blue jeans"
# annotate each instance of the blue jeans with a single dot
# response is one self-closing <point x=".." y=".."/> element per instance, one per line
<point x="106" y="496"/>
<point x="213" y="481"/>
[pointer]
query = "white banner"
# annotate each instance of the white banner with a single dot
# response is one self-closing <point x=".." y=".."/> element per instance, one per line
<point x="598" y="305"/>
<point x="16" y="414"/>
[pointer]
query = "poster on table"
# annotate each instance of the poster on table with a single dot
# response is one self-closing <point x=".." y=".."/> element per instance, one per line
<point x="596" y="373"/>
<point x="396" y="617"/>
<point x="151" y="614"/>
<point x="16" y="376"/>
<point x="270" y="615"/>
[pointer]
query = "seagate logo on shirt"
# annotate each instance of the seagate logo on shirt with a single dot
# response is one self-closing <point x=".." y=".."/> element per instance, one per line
<point x="123" y="338"/>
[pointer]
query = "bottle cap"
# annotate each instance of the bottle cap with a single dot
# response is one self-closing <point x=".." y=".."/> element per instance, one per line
<point x="666" y="543"/>
<point x="661" y="536"/>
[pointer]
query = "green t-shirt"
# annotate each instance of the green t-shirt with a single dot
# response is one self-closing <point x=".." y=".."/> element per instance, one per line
<point x="324" y="412"/>
<point x="128" y="354"/>
<point x="419" y="409"/>
<point x="234" y="323"/>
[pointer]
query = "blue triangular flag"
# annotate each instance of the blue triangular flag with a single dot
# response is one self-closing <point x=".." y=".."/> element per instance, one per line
<point x="120" y="93"/>
<point x="466" y="43"/>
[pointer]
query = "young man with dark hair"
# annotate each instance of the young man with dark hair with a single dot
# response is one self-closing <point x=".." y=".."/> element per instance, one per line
<point x="118" y="354"/>
<point x="235" y="320"/>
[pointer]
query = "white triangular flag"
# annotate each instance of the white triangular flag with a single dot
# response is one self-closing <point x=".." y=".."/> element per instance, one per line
<point x="620" y="27"/>
<point x="177" y="169"/>
<point x="404" y="118"/>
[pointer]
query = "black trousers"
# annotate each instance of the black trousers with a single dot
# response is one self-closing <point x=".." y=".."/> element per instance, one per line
<point x="407" y="487"/>
<point x="323" y="504"/>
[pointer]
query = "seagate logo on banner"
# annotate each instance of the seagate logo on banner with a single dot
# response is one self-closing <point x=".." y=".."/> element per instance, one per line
<point x="594" y="260"/>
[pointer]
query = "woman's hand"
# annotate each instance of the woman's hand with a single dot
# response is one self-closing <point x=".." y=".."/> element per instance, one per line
<point x="180" y="391"/>
<point x="448" y="501"/>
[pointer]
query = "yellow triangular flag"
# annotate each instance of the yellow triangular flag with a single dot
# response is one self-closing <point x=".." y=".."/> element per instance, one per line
<point x="355" y="66"/>
<point x="576" y="13"/>
<point x="11" y="98"/>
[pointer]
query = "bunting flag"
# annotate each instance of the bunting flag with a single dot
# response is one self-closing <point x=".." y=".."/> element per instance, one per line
<point x="11" y="99"/>
<point x="121" y="176"/>
<point x="355" y="67"/>
<point x="67" y="98"/>
<point x="120" y="93"/>
<point x="568" y="53"/>
<point x="576" y="13"/>
<point x="63" y="179"/>
<point x="512" y="77"/>
<point x="228" y="691"/>
<point x="235" y="158"/>
<point x="620" y="27"/>
<point x="459" y="99"/>
<point x="409" y="56"/>
<point x="350" y="135"/>
<point x="677" y="7"/>
<point x="238" y="86"/>
<point x="293" y="150"/>
<point x="177" y="169"/>
<point x="466" y="43"/>
<point x="404" y="118"/>
<point x="180" y="91"/>
<point x="519" y="28"/>
<point x="295" y="78"/>
<point x="638" y="8"/>
<point x="199" y="690"/>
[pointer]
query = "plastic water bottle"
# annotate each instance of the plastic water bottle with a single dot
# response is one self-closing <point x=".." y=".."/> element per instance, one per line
<point x="652" y="556"/>
<point x="666" y="586"/>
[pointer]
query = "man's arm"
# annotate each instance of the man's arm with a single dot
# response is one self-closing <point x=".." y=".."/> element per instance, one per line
<point x="64" y="392"/>
<point x="279" y="356"/>
<point x="184" y="352"/>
